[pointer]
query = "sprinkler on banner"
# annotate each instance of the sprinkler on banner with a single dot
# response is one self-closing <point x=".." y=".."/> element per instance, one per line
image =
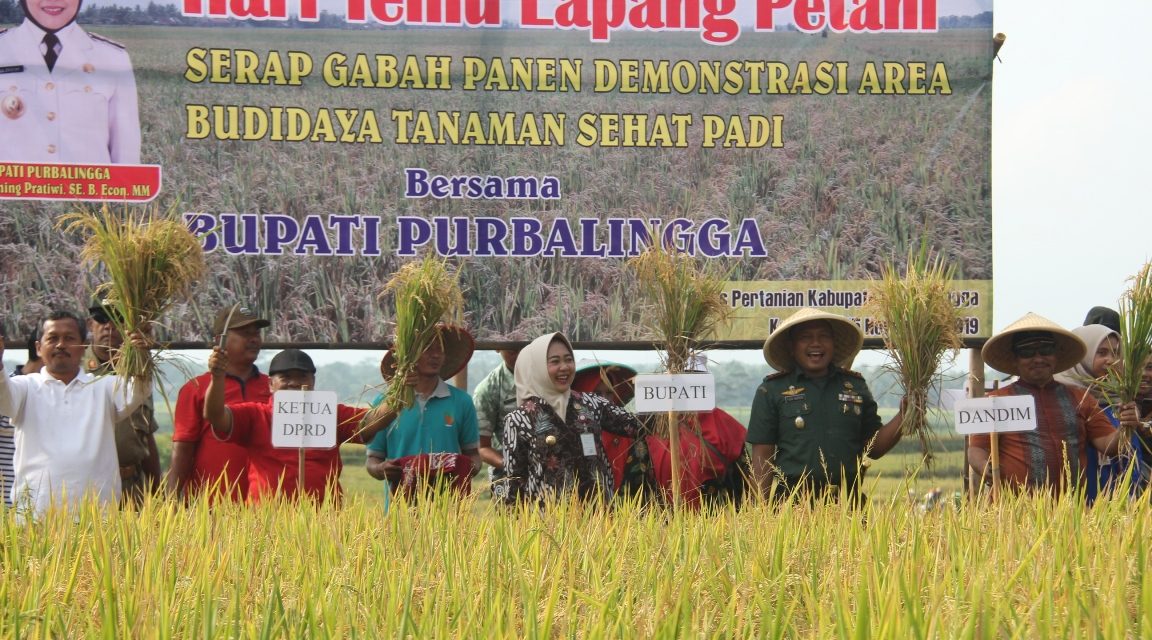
<point x="997" y="42"/>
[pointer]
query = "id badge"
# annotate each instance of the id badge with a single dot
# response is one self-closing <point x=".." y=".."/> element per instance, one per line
<point x="588" y="441"/>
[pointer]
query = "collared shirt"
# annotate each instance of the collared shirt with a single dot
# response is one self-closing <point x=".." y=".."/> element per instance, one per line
<point x="1067" y="419"/>
<point x="274" y="471"/>
<point x="820" y="426"/>
<point x="65" y="436"/>
<point x="495" y="397"/>
<point x="132" y="445"/>
<point x="216" y="460"/>
<point x="85" y="110"/>
<point x="7" y="452"/>
<point x="443" y="422"/>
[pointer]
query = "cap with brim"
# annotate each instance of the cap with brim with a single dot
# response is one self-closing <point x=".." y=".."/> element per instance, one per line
<point x="589" y="372"/>
<point x="847" y="339"/>
<point x="235" y="317"/>
<point x="102" y="312"/>
<point x="291" y="360"/>
<point x="458" y="348"/>
<point x="997" y="352"/>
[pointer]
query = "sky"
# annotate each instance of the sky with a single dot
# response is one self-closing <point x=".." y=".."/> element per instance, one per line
<point x="1071" y="137"/>
<point x="1070" y="170"/>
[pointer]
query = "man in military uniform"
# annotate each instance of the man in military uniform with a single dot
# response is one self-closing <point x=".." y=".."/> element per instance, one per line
<point x="135" y="435"/>
<point x="65" y="95"/>
<point x="814" y="421"/>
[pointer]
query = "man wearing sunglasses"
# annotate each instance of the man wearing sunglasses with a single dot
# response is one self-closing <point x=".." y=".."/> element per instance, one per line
<point x="1067" y="417"/>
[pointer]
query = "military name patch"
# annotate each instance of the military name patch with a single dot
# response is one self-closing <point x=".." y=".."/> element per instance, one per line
<point x="13" y="68"/>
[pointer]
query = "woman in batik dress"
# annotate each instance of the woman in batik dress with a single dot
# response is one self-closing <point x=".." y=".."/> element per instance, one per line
<point x="552" y="444"/>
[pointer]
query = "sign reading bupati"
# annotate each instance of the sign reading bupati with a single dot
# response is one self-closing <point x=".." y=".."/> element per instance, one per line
<point x="997" y="414"/>
<point x="304" y="419"/>
<point x="538" y="144"/>
<point x="689" y="392"/>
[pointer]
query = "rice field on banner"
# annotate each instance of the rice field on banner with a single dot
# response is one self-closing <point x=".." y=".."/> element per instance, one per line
<point x="537" y="163"/>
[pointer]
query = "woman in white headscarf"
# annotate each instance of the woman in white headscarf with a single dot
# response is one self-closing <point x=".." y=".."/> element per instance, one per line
<point x="1103" y="472"/>
<point x="552" y="442"/>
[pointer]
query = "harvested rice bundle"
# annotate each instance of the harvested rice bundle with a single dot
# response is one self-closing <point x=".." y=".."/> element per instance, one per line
<point x="1122" y="383"/>
<point x="687" y="302"/>
<point x="425" y="292"/>
<point x="921" y="325"/>
<point x="151" y="260"/>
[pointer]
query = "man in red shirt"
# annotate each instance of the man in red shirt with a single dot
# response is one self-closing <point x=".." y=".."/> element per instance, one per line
<point x="274" y="471"/>
<point x="1067" y="417"/>
<point x="200" y="461"/>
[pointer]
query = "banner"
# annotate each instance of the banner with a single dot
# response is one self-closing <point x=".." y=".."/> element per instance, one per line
<point x="314" y="146"/>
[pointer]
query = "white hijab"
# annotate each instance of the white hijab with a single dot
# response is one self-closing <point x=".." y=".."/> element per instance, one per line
<point x="1093" y="335"/>
<point x="531" y="374"/>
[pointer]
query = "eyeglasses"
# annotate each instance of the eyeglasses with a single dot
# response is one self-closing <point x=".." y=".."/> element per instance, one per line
<point x="1032" y="352"/>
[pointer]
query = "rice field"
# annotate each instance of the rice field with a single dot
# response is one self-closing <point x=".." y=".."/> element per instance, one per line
<point x="1024" y="567"/>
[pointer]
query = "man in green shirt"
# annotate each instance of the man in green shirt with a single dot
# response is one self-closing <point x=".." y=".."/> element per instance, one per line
<point x="814" y="421"/>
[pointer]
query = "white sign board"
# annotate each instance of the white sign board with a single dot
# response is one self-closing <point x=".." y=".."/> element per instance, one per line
<point x="304" y="419"/>
<point x="662" y="392"/>
<point x="1000" y="414"/>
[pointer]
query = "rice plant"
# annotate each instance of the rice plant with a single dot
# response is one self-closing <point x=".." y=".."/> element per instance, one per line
<point x="424" y="292"/>
<point x="921" y="326"/>
<point x="151" y="261"/>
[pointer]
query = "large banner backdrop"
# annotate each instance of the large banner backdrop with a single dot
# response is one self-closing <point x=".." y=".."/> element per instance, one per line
<point x="314" y="146"/>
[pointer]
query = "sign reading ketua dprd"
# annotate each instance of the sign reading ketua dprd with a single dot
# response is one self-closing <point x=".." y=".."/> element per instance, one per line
<point x="304" y="419"/>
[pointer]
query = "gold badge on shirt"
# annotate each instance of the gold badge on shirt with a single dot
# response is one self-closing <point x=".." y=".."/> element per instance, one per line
<point x="12" y="106"/>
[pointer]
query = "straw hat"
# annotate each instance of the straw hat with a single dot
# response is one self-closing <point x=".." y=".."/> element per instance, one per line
<point x="458" y="348"/>
<point x="997" y="352"/>
<point x="847" y="339"/>
<point x="589" y="372"/>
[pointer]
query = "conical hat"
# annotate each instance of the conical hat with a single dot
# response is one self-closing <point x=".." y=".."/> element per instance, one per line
<point x="847" y="339"/>
<point x="997" y="352"/>
<point x="458" y="348"/>
<point x="589" y="372"/>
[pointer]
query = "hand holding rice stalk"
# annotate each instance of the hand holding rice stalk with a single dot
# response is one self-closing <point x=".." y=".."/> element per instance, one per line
<point x="1122" y="384"/>
<point x="921" y="324"/>
<point x="425" y="292"/>
<point x="151" y="260"/>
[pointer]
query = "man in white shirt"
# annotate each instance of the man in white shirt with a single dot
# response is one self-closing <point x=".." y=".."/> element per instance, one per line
<point x="65" y="421"/>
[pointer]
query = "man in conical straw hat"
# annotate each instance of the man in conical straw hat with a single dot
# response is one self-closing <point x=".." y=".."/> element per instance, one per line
<point x="1036" y="349"/>
<point x="443" y="420"/>
<point x="814" y="421"/>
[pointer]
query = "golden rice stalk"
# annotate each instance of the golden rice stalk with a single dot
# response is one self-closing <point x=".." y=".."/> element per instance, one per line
<point x="151" y="260"/>
<point x="425" y="292"/>
<point x="921" y="324"/>
<point x="687" y="306"/>
<point x="1122" y="384"/>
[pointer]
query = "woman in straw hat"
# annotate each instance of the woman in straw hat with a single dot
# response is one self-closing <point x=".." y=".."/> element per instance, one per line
<point x="814" y="421"/>
<point x="1067" y="417"/>
<point x="442" y="421"/>
<point x="552" y="441"/>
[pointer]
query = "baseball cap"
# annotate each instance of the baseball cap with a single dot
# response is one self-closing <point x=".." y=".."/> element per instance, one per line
<point x="291" y="360"/>
<point x="241" y="317"/>
<point x="101" y="312"/>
